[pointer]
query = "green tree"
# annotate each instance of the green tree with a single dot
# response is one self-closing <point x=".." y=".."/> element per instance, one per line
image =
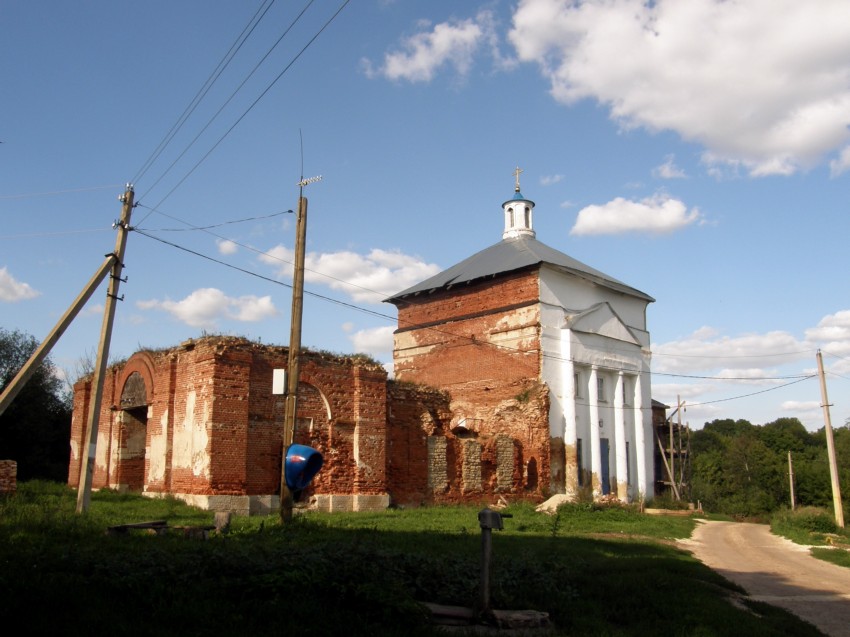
<point x="734" y="470"/>
<point x="785" y="434"/>
<point x="35" y="429"/>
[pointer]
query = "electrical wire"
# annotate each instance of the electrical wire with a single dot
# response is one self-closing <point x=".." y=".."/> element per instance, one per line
<point x="205" y="88"/>
<point x="472" y="340"/>
<point x="253" y="104"/>
<point x="261" y="276"/>
<point x="223" y="223"/>
<point x="263" y="253"/>
<point x="228" y="100"/>
<point x="59" y="192"/>
<point x="756" y="393"/>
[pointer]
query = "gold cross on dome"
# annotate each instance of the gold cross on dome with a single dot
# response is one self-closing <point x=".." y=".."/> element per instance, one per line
<point x="516" y="174"/>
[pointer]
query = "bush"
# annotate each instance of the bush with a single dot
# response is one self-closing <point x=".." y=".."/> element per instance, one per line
<point x="814" y="519"/>
<point x="804" y="526"/>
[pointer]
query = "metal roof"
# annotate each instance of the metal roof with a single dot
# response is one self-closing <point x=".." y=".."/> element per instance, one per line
<point x="510" y="255"/>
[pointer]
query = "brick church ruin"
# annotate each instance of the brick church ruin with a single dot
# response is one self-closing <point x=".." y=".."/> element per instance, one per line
<point x="519" y="372"/>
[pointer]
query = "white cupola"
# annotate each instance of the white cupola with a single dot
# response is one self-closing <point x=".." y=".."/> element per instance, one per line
<point x="518" y="214"/>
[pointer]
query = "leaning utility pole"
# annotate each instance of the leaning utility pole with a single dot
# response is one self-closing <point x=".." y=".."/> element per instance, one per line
<point x="117" y="257"/>
<point x="38" y="356"/>
<point x="291" y="404"/>
<point x="830" y="447"/>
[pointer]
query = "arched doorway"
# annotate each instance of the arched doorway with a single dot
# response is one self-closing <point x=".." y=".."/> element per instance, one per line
<point x="132" y="434"/>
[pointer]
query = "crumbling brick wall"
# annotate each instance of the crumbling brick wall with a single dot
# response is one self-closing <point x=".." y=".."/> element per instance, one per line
<point x="214" y="426"/>
<point x="8" y="477"/>
<point x="481" y="345"/>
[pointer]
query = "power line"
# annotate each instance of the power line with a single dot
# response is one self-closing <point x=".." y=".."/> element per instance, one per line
<point x="223" y="223"/>
<point x="253" y="104"/>
<point x="205" y="88"/>
<point x="756" y="393"/>
<point x="227" y="101"/>
<point x="471" y="340"/>
<point x="365" y="289"/>
<point x="260" y="276"/>
<point x="53" y="234"/>
<point x="725" y="356"/>
<point x="263" y="252"/>
<point x="60" y="192"/>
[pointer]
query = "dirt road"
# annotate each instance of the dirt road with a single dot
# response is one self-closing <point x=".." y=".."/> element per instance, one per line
<point x="776" y="571"/>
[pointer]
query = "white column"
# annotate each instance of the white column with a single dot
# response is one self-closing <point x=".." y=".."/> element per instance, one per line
<point x="640" y="439"/>
<point x="570" y="433"/>
<point x="620" y="442"/>
<point x="595" y="452"/>
<point x="570" y="430"/>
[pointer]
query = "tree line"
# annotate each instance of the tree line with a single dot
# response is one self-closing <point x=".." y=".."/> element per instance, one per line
<point x="742" y="469"/>
<point x="35" y="429"/>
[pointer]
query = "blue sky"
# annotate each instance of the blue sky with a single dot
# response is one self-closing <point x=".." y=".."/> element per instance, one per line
<point x="698" y="151"/>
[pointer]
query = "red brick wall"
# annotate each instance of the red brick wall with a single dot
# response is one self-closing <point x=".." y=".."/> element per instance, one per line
<point x="376" y="436"/>
<point x="415" y="413"/>
<point x="459" y="325"/>
<point x="341" y="412"/>
<point x="480" y="343"/>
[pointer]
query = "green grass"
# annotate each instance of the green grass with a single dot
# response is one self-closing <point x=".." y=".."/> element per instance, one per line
<point x="595" y="570"/>
<point x="841" y="557"/>
<point x="815" y="527"/>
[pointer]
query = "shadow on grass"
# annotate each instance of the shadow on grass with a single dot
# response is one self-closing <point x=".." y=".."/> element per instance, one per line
<point x="312" y="579"/>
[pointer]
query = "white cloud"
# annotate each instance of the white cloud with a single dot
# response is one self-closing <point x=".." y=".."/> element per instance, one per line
<point x="669" y="170"/>
<point x="761" y="84"/>
<point x="12" y="290"/>
<point x="832" y="336"/>
<point x="838" y="166"/>
<point x="748" y="355"/>
<point x="801" y="406"/>
<point x="366" y="278"/>
<point x="92" y="310"/>
<point x="226" y="246"/>
<point x="205" y="307"/>
<point x="709" y="368"/>
<point x="548" y="180"/>
<point x="656" y="215"/>
<point x="377" y="341"/>
<point x="453" y="43"/>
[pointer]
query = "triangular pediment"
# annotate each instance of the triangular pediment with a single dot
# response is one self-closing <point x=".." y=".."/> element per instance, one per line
<point x="602" y="320"/>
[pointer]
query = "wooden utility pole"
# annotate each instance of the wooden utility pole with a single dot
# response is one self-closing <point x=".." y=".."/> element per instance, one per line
<point x="830" y="447"/>
<point x="672" y="458"/>
<point x="791" y="480"/>
<point x="117" y="257"/>
<point x="291" y="404"/>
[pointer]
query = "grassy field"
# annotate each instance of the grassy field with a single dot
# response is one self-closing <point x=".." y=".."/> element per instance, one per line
<point x="606" y="571"/>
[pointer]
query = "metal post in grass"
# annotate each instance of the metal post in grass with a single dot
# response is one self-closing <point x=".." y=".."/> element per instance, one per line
<point x="487" y="520"/>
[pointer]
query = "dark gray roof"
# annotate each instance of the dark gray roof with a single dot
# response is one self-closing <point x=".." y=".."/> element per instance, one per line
<point x="510" y="255"/>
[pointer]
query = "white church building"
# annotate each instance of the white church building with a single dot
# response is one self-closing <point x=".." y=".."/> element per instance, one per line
<point x="580" y="334"/>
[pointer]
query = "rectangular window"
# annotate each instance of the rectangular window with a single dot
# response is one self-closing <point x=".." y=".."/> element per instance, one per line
<point x="625" y="393"/>
<point x="576" y="386"/>
<point x="600" y="389"/>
